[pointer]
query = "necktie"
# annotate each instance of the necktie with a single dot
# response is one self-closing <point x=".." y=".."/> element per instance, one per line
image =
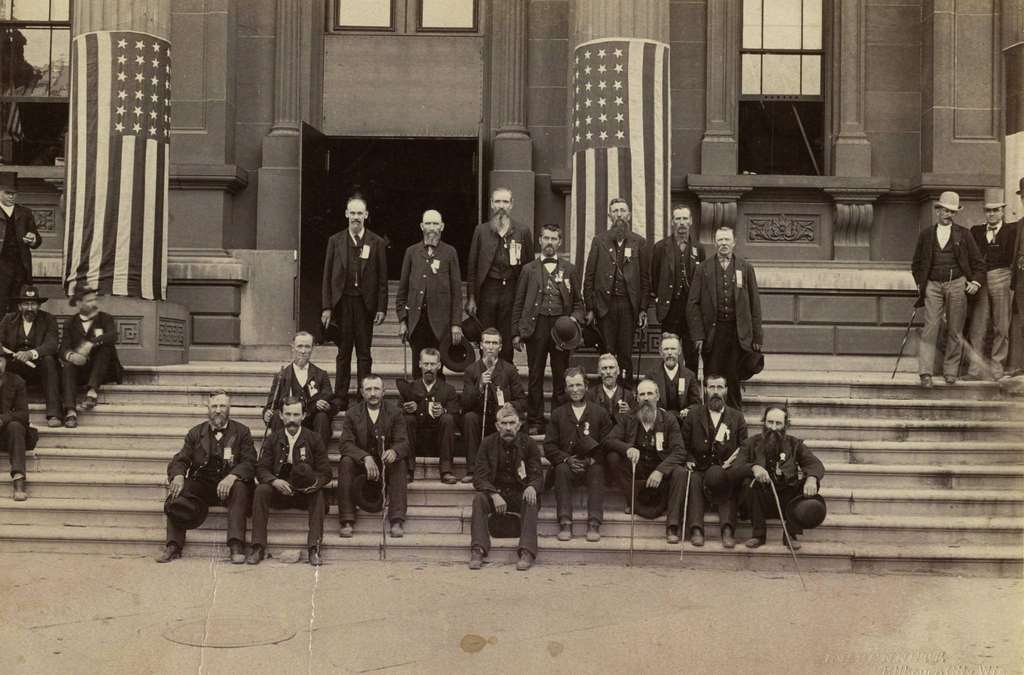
<point x="358" y="244"/>
<point x="550" y="261"/>
<point x="992" y="233"/>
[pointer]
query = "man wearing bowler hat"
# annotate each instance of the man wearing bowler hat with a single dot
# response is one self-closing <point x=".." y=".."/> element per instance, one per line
<point x="88" y="353"/>
<point x="507" y="477"/>
<point x="29" y="339"/>
<point x="216" y="465"/>
<point x="309" y="382"/>
<point x="430" y="406"/>
<point x="947" y="267"/>
<point x="18" y="236"/>
<point x="674" y="261"/>
<point x="677" y="383"/>
<point x="546" y="316"/>
<point x="609" y="393"/>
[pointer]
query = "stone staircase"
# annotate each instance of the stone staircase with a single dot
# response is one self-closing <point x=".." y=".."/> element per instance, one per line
<point x="917" y="480"/>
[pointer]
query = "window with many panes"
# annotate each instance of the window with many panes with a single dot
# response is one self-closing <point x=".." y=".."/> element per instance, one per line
<point x="782" y="102"/>
<point x="35" y="78"/>
<point x="407" y="16"/>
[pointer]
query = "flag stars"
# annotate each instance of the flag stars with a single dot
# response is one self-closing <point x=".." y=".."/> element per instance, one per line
<point x="138" y="94"/>
<point x="618" y="100"/>
<point x="620" y="135"/>
<point x="154" y="98"/>
<point x="587" y="86"/>
<point x="603" y="117"/>
<point x="152" y="114"/>
<point x="140" y="60"/>
<point x="139" y="77"/>
<point x="121" y="77"/>
<point x="154" y="80"/>
<point x="601" y="102"/>
<point x="587" y="103"/>
<point x="586" y="54"/>
<point x="618" y="67"/>
<point x="618" y="53"/>
<point x="589" y="135"/>
<point x="136" y="127"/>
<point x="156" y="47"/>
<point x="152" y="131"/>
<point x="122" y="59"/>
<point x="140" y="45"/>
<point x="602" y="69"/>
<point x="601" y="53"/>
<point x="618" y="84"/>
<point x="119" y="126"/>
<point x="156" y="63"/>
<point x="122" y="43"/>
<point x="587" y="70"/>
<point x="120" y="110"/>
<point x="122" y="94"/>
<point x="137" y="111"/>
<point x="602" y="85"/>
<point x="603" y="136"/>
<point x="619" y="117"/>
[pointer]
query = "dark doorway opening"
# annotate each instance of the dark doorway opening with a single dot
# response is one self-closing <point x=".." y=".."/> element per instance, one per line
<point x="400" y="178"/>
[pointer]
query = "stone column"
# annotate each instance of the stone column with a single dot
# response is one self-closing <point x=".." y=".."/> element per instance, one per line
<point x="1013" y="78"/>
<point x="852" y="150"/>
<point x="593" y="19"/>
<point x="719" y="149"/>
<point x="148" y="16"/>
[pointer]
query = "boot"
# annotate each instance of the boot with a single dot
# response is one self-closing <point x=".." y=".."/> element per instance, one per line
<point x="565" y="532"/>
<point x="19" y="490"/>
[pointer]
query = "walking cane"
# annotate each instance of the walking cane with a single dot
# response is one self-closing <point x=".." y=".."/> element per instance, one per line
<point x="273" y="404"/>
<point x="686" y="502"/>
<point x="903" y="345"/>
<point x="632" y="511"/>
<point x="382" y="553"/>
<point x="785" y="532"/>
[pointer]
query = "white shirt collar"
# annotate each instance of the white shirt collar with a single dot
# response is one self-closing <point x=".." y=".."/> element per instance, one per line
<point x="672" y="372"/>
<point x="374" y="414"/>
<point x="578" y="409"/>
<point x="610" y="393"/>
<point x="715" y="416"/>
<point x="8" y="210"/>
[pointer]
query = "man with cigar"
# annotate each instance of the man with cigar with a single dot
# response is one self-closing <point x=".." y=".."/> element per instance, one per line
<point x="29" y="338"/>
<point x="507" y="477"/>
<point x="609" y="393"/>
<point x="677" y="383"/>
<point x="572" y="446"/>
<point x="292" y="471"/>
<point x="18" y="236"/>
<point x="88" y="353"/>
<point x="498" y="251"/>
<point x="216" y="465"/>
<point x="308" y="382"/>
<point x="430" y="406"/>
<point x="373" y="442"/>
<point x="674" y="261"/>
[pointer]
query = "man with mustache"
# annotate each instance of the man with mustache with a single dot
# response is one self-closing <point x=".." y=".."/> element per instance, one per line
<point x="280" y="458"/>
<point x="307" y="381"/>
<point x="487" y="385"/>
<point x="616" y="284"/>
<point x="429" y="296"/>
<point x="773" y="455"/>
<point x="674" y="261"/>
<point x="430" y="406"/>
<point x="19" y="235"/>
<point x="549" y="288"/>
<point x="500" y="248"/>
<point x="677" y="383"/>
<point x="29" y="338"/>
<point x="88" y="353"/>
<point x="373" y="442"/>
<point x="508" y="477"/>
<point x="616" y="399"/>
<point x="216" y="464"/>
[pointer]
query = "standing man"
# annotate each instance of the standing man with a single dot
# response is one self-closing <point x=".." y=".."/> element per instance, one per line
<point x="430" y="291"/>
<point x="500" y="248"/>
<point x="676" y="381"/>
<point x="18" y="236"/>
<point x="14" y="427"/>
<point x="616" y="399"/>
<point x="996" y="242"/>
<point x="310" y="384"/>
<point x="355" y="293"/>
<point x="1017" y="284"/>
<point x="947" y="267"/>
<point x="616" y="284"/>
<point x="29" y="341"/>
<point x="88" y="353"/>
<point x="430" y="406"/>
<point x="673" y="263"/>
<point x="723" y="312"/>
<point x="549" y="288"/>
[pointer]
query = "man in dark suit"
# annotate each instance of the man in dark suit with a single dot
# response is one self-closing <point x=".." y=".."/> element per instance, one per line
<point x="677" y="383"/>
<point x="508" y="477"/>
<point x="429" y="296"/>
<point x="616" y="399"/>
<point x="430" y="406"/>
<point x="14" y="427"/>
<point x="283" y="454"/>
<point x="29" y="339"/>
<point x="216" y="464"/>
<point x="373" y="442"/>
<point x="617" y="282"/>
<point x="573" y="446"/>
<point x="723" y="312"/>
<point x="355" y="293"/>
<point x="548" y="288"/>
<point x="674" y="261"/>
<point x="487" y="385"/>
<point x="947" y="267"/>
<point x="310" y="383"/>
<point x="18" y="236"/>
<point x="500" y="248"/>
<point x="88" y="353"/>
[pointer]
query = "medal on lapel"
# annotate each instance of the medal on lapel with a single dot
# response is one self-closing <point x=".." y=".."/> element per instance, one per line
<point x="659" y="440"/>
<point x="521" y="471"/>
<point x="312" y="388"/>
<point x="586" y="428"/>
<point x="627" y="253"/>
<point x="435" y="265"/>
<point x="364" y="254"/>
<point x="723" y="434"/>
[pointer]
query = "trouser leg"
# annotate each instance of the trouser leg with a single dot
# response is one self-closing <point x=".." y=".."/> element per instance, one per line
<point x="563" y="492"/>
<point x="49" y="373"/>
<point x="344" y="317"/>
<point x="620" y="471"/>
<point x="956" y="315"/>
<point x="471" y="434"/>
<point x="999" y="290"/>
<point x="99" y="364"/>
<point x="537" y="356"/>
<point x="934" y="305"/>
<point x="363" y="338"/>
<point x="595" y="493"/>
<point x="559" y="364"/>
<point x="479" y="536"/>
<point x="445" y="439"/>
<point x="758" y="499"/>
<point x="262" y="498"/>
<point x="695" y="507"/>
<point x="676" y="494"/>
<point x="494" y="310"/>
<point x="320" y="423"/>
<point x="980" y="317"/>
<point x="69" y="385"/>
<point x="315" y="504"/>
<point x="348" y="469"/>
<point x="724" y="355"/>
<point x="238" y="508"/>
<point x="397" y="482"/>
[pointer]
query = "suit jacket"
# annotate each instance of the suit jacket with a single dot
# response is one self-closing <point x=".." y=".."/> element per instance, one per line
<point x="24" y="222"/>
<point x="102" y="331"/>
<point x="692" y="394"/>
<point x="600" y="272"/>
<point x="355" y="432"/>
<point x="442" y="393"/>
<point x="318" y="388"/>
<point x="564" y="433"/>
<point x="505" y="377"/>
<point x="529" y="294"/>
<point x="699" y="445"/>
<point x="373" y="272"/>
<point x="795" y="458"/>
<point x="42" y="337"/>
<point x="275" y="453"/>
<point x="611" y="405"/>
<point x="1006" y="238"/>
<point x="971" y="262"/>
<point x="442" y="288"/>
<point x="527" y="451"/>
<point x="624" y="435"/>
<point x="665" y="278"/>
<point x="13" y="399"/>
<point x="484" y="247"/>
<point x="198" y="448"/>
<point x="702" y="304"/>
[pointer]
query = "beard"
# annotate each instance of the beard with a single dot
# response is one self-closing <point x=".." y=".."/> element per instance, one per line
<point x="619" y="227"/>
<point x="648" y="412"/>
<point x="671" y="361"/>
<point x="431" y="238"/>
<point x="716" y="403"/>
<point x="218" y="419"/>
<point x="429" y="376"/>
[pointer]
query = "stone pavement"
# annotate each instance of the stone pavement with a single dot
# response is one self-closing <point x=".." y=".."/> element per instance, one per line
<point x="95" y="614"/>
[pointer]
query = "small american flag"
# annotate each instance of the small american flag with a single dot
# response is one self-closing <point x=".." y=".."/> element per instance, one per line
<point x="118" y="170"/>
<point x="621" y="137"/>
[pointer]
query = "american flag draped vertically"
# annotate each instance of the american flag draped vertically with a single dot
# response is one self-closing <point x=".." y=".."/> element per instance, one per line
<point x="118" y="167"/>
<point x="621" y="137"/>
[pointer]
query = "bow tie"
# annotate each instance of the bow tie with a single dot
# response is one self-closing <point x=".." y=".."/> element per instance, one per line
<point x="993" y="228"/>
<point x="550" y="261"/>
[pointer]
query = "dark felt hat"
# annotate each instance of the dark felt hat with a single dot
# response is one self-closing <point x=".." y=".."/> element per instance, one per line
<point x="566" y="334"/>
<point x="592" y="338"/>
<point x="714" y="478"/>
<point x="587" y="443"/>
<point x="9" y="181"/>
<point x="404" y="388"/>
<point x="472" y="330"/>
<point x="186" y="510"/>
<point x="304" y="479"/>
<point x="808" y="512"/>
<point x="456" y="357"/>
<point x="751" y="363"/>
<point x="29" y="292"/>
<point x="329" y="333"/>
<point x="506" y="525"/>
<point x="80" y="293"/>
<point x="366" y="494"/>
<point x="649" y="503"/>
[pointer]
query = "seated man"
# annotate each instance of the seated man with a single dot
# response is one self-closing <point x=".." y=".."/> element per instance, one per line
<point x="87" y="353"/>
<point x="216" y="465"/>
<point x="647" y="436"/>
<point x="507" y="477"/>
<point x="14" y="426"/>
<point x="310" y="384"/>
<point x="712" y="435"/>
<point x="677" y="383"/>
<point x="29" y="340"/>
<point x="487" y="386"/>
<point x="774" y="455"/>
<point x="430" y="406"/>
<point x="572" y="445"/>
<point x="288" y="453"/>
<point x="608" y="393"/>
<point x="373" y="442"/>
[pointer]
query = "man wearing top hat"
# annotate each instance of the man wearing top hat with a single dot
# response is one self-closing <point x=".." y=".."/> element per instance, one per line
<point x="572" y="445"/>
<point x="430" y="406"/>
<point x="14" y="427"/>
<point x="88" y="353"/>
<point x="996" y="240"/>
<point x="947" y="267"/>
<point x="497" y="253"/>
<point x="373" y="442"/>
<point x="609" y="393"/>
<point x="674" y="261"/>
<point x="546" y="316"/>
<point x="429" y="299"/>
<point x="18" y="236"/>
<point x="677" y="383"/>
<point x="216" y="465"/>
<point x="310" y="383"/>
<point x="29" y="339"/>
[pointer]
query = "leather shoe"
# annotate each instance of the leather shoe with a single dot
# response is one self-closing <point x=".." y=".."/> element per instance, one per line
<point x="525" y="561"/>
<point x="926" y="381"/>
<point x="397" y="531"/>
<point x="171" y="552"/>
<point x="71" y="420"/>
<point x="565" y="532"/>
<point x="468" y="478"/>
<point x="314" y="557"/>
<point x="754" y="542"/>
<point x="727" y="539"/>
<point x="792" y="542"/>
<point x="54" y="422"/>
<point x="594" y="533"/>
<point x="950" y="379"/>
<point x="697" y="537"/>
<point x="255" y="555"/>
<point x="237" y="553"/>
<point x="672" y="536"/>
<point x="448" y="478"/>
<point x="346" y="531"/>
<point x="19" y="490"/>
<point x="476" y="559"/>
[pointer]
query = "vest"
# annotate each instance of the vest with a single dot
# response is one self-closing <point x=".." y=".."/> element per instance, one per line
<point x="944" y="264"/>
<point x="551" y="298"/>
<point x="353" y="266"/>
<point x="726" y="282"/>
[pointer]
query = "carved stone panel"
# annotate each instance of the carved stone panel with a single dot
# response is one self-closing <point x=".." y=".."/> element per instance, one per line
<point x="46" y="220"/>
<point x="782" y="228"/>
<point x="129" y="330"/>
<point x="172" y="332"/>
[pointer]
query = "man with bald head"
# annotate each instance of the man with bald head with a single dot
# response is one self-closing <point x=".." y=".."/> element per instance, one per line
<point x="429" y="297"/>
